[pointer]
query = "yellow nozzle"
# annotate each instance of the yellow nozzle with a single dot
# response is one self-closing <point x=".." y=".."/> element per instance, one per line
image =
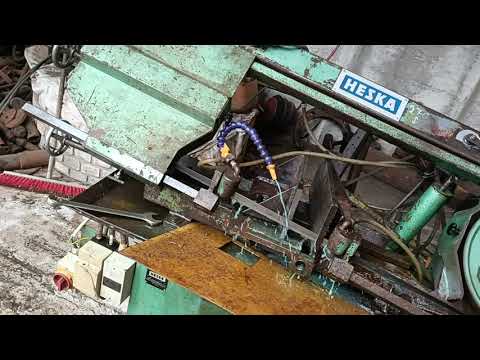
<point x="273" y="173"/>
<point x="224" y="151"/>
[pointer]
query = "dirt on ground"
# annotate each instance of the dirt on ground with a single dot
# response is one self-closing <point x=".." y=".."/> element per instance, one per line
<point x="33" y="237"/>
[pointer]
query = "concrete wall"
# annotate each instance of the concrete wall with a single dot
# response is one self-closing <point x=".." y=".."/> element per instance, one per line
<point x="445" y="78"/>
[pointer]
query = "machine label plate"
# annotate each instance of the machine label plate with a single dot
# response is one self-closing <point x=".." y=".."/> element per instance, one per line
<point x="156" y="280"/>
<point x="370" y="95"/>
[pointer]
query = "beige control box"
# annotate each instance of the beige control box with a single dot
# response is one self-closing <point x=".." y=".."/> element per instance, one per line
<point x="118" y="271"/>
<point x="88" y="268"/>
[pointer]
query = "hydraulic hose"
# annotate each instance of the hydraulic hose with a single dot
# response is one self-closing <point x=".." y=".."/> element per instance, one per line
<point x="252" y="133"/>
<point x="388" y="164"/>
<point x="395" y="238"/>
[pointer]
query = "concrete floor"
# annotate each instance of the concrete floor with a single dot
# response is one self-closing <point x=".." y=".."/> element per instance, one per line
<point x="33" y="237"/>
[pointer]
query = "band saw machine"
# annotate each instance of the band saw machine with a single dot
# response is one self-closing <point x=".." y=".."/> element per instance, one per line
<point x="254" y="154"/>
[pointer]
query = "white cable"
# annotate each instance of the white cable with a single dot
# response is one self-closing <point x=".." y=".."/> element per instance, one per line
<point x="78" y="229"/>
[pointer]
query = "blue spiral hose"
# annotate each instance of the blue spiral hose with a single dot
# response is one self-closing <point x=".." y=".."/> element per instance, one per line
<point x="252" y="133"/>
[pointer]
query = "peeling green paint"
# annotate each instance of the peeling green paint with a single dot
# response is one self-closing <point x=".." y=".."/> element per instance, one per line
<point x="304" y="64"/>
<point x="151" y="101"/>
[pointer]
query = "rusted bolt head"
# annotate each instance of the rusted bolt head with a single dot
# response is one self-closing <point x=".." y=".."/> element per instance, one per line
<point x="299" y="265"/>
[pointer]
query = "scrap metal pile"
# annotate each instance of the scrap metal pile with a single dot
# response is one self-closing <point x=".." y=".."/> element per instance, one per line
<point x="18" y="131"/>
<point x="268" y="146"/>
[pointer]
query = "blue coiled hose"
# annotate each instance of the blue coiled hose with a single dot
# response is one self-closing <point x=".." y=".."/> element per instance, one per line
<point x="252" y="133"/>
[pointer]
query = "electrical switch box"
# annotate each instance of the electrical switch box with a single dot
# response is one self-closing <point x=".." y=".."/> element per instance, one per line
<point x="67" y="264"/>
<point x="118" y="271"/>
<point x="94" y="253"/>
<point x="88" y="268"/>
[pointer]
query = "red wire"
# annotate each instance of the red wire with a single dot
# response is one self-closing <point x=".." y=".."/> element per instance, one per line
<point x="333" y="52"/>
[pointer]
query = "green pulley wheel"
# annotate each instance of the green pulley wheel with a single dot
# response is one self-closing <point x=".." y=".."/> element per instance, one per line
<point x="471" y="262"/>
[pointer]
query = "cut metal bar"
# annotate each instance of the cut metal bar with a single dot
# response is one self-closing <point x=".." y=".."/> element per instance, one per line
<point x="178" y="185"/>
<point x="54" y="122"/>
<point x="272" y="215"/>
<point x="83" y="136"/>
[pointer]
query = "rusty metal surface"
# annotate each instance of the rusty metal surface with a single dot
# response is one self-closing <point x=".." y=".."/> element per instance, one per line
<point x="191" y="257"/>
<point x="227" y="220"/>
<point x="12" y="118"/>
<point x="385" y="295"/>
<point x="400" y="284"/>
<point x="369" y="248"/>
<point x="340" y="270"/>
<point x="24" y="160"/>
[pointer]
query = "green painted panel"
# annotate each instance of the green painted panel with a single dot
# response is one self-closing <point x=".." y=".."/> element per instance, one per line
<point x="424" y="209"/>
<point x="157" y="80"/>
<point x="220" y="67"/>
<point x="146" y="299"/>
<point x="471" y="262"/>
<point x="148" y="102"/>
<point x="304" y="64"/>
<point x="122" y="117"/>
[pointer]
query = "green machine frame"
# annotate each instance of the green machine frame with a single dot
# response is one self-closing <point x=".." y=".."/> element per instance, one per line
<point x="136" y="97"/>
<point x="144" y="104"/>
<point x="165" y="297"/>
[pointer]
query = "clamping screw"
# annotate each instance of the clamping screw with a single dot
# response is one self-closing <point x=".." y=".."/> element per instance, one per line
<point x="300" y="266"/>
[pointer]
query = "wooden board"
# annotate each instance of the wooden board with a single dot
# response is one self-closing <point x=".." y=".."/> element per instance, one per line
<point x="191" y="257"/>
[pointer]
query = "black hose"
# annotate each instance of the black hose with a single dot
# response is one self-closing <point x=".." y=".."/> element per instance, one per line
<point x="20" y="82"/>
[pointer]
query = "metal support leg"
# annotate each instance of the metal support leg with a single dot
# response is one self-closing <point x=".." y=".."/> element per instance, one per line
<point x="58" y="112"/>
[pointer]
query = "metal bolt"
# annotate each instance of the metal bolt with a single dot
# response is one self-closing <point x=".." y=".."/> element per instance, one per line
<point x="100" y="232"/>
<point x="300" y="266"/>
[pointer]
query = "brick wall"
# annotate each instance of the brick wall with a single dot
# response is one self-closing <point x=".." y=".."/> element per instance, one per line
<point x="82" y="166"/>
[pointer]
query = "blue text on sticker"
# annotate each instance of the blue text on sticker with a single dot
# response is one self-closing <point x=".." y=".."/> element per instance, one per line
<point x="370" y="94"/>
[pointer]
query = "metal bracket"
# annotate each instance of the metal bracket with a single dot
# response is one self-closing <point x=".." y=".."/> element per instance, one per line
<point x="206" y="199"/>
<point x="469" y="138"/>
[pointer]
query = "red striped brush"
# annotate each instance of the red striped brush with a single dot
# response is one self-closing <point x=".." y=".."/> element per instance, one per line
<point x="40" y="185"/>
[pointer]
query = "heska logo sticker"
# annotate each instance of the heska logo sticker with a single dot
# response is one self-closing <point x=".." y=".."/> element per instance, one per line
<point x="370" y="95"/>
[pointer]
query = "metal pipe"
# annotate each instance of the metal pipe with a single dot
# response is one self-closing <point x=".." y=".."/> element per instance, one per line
<point x="426" y="207"/>
<point x="406" y="197"/>
<point x="24" y="160"/>
<point x="58" y="112"/>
